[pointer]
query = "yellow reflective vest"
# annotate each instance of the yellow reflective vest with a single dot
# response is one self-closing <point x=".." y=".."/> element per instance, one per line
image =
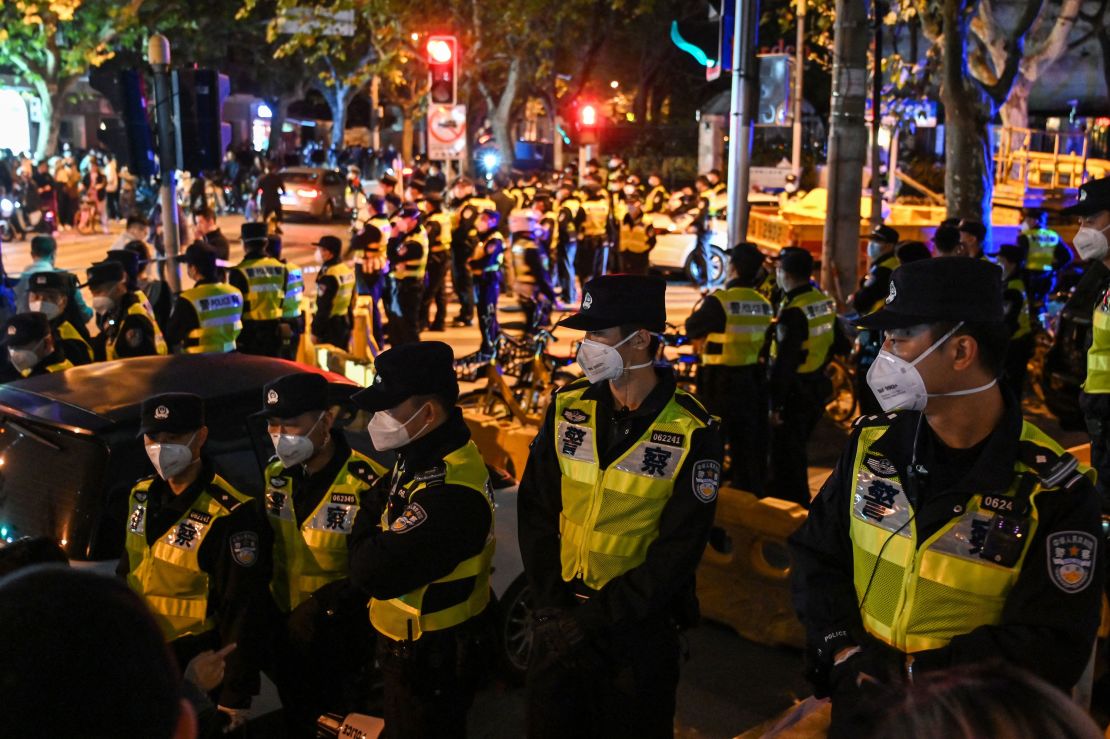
<point x="920" y="595"/>
<point x="443" y="242"/>
<point x="219" y="309"/>
<point x="820" y="313"/>
<point x="748" y="316"/>
<point x="611" y="516"/>
<point x="67" y="332"/>
<point x="294" y="290"/>
<point x="1098" y="356"/>
<point x="265" y="278"/>
<point x="167" y="574"/>
<point x="634" y="239"/>
<point x="891" y="262"/>
<point x="404" y="268"/>
<point x="1042" y="248"/>
<point x="141" y="307"/>
<point x="345" y="278"/>
<point x="597" y="217"/>
<point x="309" y="556"/>
<point x="1025" y="326"/>
<point x="404" y="618"/>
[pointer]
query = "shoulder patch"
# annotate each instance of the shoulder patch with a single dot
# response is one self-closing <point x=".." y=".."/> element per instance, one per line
<point x="413" y="515"/>
<point x="707" y="479"/>
<point x="694" y="406"/>
<point x="1071" y="559"/>
<point x="244" y="548"/>
<point x="881" y="466"/>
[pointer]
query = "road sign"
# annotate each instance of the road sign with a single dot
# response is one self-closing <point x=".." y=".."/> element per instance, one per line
<point x="447" y="132"/>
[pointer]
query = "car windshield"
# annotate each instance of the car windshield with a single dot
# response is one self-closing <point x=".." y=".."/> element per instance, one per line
<point x="299" y="178"/>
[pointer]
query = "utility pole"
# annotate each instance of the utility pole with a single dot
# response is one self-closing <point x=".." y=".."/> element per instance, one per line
<point x="847" y="148"/>
<point x="158" y="53"/>
<point x="745" y="80"/>
<point x="877" y="116"/>
<point x="799" y="91"/>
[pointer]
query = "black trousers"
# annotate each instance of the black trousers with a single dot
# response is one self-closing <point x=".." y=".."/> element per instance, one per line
<point x="262" y="338"/>
<point x="804" y="407"/>
<point x="621" y="684"/>
<point x="585" y="260"/>
<point x="1016" y="365"/>
<point x="335" y="330"/>
<point x="291" y="331"/>
<point x="701" y="256"/>
<point x="739" y="396"/>
<point x="1096" y="412"/>
<point x="565" y="256"/>
<point x="436" y="290"/>
<point x="487" y="289"/>
<point x="632" y="263"/>
<point x="462" y="281"/>
<point x="404" y="313"/>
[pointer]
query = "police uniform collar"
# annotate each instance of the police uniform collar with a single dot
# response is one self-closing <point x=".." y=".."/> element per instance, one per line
<point x="798" y="291"/>
<point x="183" y="502"/>
<point x="739" y="282"/>
<point x="651" y="406"/>
<point x="430" y="449"/>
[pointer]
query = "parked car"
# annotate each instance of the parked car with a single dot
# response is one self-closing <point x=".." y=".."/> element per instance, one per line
<point x="316" y="192"/>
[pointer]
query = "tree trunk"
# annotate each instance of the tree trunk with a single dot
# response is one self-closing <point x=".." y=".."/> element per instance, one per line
<point x="280" y="111"/>
<point x="338" y="98"/>
<point x="46" y="142"/>
<point x="407" y="127"/>
<point x="500" y="117"/>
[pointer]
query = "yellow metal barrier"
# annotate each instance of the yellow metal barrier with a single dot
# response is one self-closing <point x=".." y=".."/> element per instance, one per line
<point x="357" y="370"/>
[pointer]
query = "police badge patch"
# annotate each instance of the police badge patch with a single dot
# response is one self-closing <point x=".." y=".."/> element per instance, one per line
<point x="278" y="482"/>
<point x="244" y="548"/>
<point x="880" y="466"/>
<point x="1071" y="560"/>
<point x="893" y="293"/>
<point x="573" y="415"/>
<point x="412" y="517"/>
<point x="707" y="480"/>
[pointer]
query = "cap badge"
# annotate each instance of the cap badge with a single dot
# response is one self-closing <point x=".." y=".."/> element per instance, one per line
<point x="272" y="397"/>
<point x="893" y="293"/>
<point x="1082" y="195"/>
<point x="587" y="301"/>
<point x="161" y="413"/>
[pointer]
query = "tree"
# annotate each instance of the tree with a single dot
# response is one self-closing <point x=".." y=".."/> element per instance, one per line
<point x="52" y="43"/>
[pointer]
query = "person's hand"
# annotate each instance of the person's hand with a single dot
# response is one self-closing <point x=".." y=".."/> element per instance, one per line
<point x="776" y="419"/>
<point x="558" y="634"/>
<point x="236" y="717"/>
<point x="206" y="670"/>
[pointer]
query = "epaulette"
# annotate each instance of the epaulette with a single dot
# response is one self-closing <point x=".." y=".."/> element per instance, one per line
<point x="577" y="384"/>
<point x="881" y="419"/>
<point x="694" y="406"/>
<point x="1054" y="470"/>
<point x="226" y="499"/>
<point x="363" y="470"/>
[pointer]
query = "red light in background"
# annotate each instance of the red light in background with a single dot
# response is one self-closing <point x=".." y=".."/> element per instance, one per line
<point x="588" y="115"/>
<point x="439" y="50"/>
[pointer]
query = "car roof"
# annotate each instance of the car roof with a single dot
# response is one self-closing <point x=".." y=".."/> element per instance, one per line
<point x="93" y="397"/>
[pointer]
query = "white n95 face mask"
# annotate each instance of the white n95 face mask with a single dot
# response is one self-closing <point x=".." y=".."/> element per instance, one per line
<point x="1091" y="243"/>
<point x="170" y="460"/>
<point x="294" y="449"/>
<point x="388" y="433"/>
<point x="103" y="304"/>
<point x="601" y="362"/>
<point x="51" y="310"/>
<point x="25" y="359"/>
<point x="898" y="386"/>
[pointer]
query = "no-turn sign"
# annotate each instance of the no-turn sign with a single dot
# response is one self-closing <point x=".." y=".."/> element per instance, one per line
<point x="447" y="132"/>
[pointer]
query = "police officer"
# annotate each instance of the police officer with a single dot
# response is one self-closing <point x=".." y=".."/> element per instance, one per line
<point x="731" y="326"/>
<point x="656" y="199"/>
<point x="531" y="276"/>
<point x="33" y="348"/>
<point x="292" y="314"/>
<point x="49" y="293"/>
<point x="951" y="531"/>
<point x="425" y="559"/>
<point x="198" y="551"/>
<point x="408" y="265"/>
<point x="463" y="239"/>
<point x="261" y="280"/>
<point x="594" y="241"/>
<point x="1045" y="253"/>
<point x="570" y="219"/>
<point x="485" y="272"/>
<point x="126" y="323"/>
<point x="802" y="345"/>
<point x="437" y="224"/>
<point x="1093" y="210"/>
<point x="614" y="510"/>
<point x="637" y="239"/>
<point x="335" y="291"/>
<point x="1018" y="321"/>
<point x="368" y="251"/>
<point x="869" y="298"/>
<point x="315" y="486"/>
<point x="208" y="317"/>
<point x="702" y="230"/>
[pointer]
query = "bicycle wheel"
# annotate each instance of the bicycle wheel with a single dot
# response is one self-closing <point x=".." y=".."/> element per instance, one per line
<point x="485" y="402"/>
<point x="841" y="406"/>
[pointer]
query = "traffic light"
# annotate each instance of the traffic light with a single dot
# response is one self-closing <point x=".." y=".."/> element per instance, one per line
<point x="443" y="67"/>
<point x="587" y="124"/>
<point x="132" y="142"/>
<point x="199" y="100"/>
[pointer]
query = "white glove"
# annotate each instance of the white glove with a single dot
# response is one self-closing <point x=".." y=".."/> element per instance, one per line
<point x="236" y="717"/>
<point x="206" y="670"/>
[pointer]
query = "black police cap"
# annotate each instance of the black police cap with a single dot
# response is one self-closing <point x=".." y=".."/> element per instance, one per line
<point x="103" y="273"/>
<point x="129" y="260"/>
<point x="200" y="255"/>
<point x="330" y="243"/>
<point x="796" y="261"/>
<point x="251" y="232"/>
<point x="1094" y="196"/>
<point x="423" y="368"/>
<point x="49" y="280"/>
<point x="885" y="234"/>
<point x="973" y="228"/>
<point x="619" y="300"/>
<point x="940" y="290"/>
<point x="746" y="257"/>
<point x="912" y="251"/>
<point x="1011" y="253"/>
<point x="173" y="413"/>
<point x="293" y="395"/>
<point x="25" y="328"/>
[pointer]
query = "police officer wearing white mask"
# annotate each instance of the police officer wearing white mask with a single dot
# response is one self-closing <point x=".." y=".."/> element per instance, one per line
<point x="614" y="511"/>
<point x="951" y="531"/>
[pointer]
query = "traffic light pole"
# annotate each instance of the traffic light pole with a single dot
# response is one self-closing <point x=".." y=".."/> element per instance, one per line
<point x="744" y="82"/>
<point x="158" y="53"/>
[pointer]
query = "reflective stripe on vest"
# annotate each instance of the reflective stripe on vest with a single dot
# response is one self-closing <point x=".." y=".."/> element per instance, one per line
<point x="1024" y="323"/>
<point x="597" y="217"/>
<point x="1042" y="248"/>
<point x="167" y="574"/>
<point x="345" y="277"/>
<point x="820" y="313"/>
<point x="634" y="240"/>
<point x="140" y="308"/>
<point x="403" y="617"/>
<point x="610" y="517"/>
<point x="649" y="200"/>
<point x="294" y="290"/>
<point x="1098" y="356"/>
<point x="444" y="242"/>
<point x="748" y="316"/>
<point x="265" y="278"/>
<point x="308" y="557"/>
<point x="67" y="332"/>
<point x="409" y="268"/>
<point x="219" y="309"/>
<point x="921" y="597"/>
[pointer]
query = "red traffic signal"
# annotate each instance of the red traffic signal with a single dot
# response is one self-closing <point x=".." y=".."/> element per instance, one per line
<point x="587" y="116"/>
<point x="443" y="66"/>
<point x="588" y="124"/>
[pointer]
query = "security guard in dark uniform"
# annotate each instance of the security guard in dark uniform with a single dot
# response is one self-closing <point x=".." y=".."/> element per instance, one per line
<point x="125" y="319"/>
<point x="33" y="347"/>
<point x="408" y="266"/>
<point x="485" y="271"/>
<point x="292" y="313"/>
<point x="531" y="264"/>
<point x="569" y="218"/>
<point x="614" y="511"/>
<point x="335" y="292"/>
<point x="732" y="326"/>
<point x="951" y="531"/>
<point x="656" y="199"/>
<point x="637" y="239"/>
<point x="1045" y="253"/>
<point x="869" y="298"/>
<point x="425" y="560"/>
<point x="315" y="486"/>
<point x="594" y="238"/>
<point x="49" y="293"/>
<point x="368" y="251"/>
<point x="464" y="237"/>
<point x="198" y="551"/>
<point x="208" y="317"/>
<point x="1018" y="321"/>
<point x="261" y="280"/>
<point x="437" y="224"/>
<point x="803" y="336"/>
